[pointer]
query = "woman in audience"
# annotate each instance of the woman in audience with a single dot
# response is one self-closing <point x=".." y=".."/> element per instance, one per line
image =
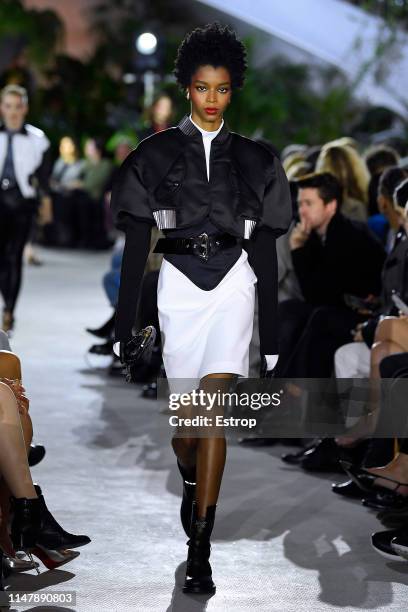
<point x="15" y="437"/>
<point x="378" y="158"/>
<point x="89" y="211"/>
<point x="66" y="173"/>
<point x="32" y="528"/>
<point x="345" y="163"/>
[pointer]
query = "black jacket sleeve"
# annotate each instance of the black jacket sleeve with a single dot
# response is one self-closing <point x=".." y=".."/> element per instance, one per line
<point x="135" y="254"/>
<point x="263" y="259"/>
<point x="129" y="194"/>
<point x="277" y="202"/>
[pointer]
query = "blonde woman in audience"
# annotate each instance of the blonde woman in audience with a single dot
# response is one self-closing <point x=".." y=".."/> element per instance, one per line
<point x="345" y="163"/>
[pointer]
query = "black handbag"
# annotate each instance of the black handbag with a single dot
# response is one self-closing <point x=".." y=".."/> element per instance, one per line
<point x="138" y="350"/>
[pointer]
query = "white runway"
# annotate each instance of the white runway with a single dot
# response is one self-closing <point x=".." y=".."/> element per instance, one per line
<point x="283" y="542"/>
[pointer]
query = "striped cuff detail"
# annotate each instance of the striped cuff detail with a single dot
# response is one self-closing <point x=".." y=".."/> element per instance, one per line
<point x="249" y="228"/>
<point x="165" y="219"/>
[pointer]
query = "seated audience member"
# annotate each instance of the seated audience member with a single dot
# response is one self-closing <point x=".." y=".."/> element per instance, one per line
<point x="28" y="508"/>
<point x="385" y="488"/>
<point x="158" y="116"/>
<point x="66" y="173"/>
<point x="378" y="158"/>
<point x="90" y="210"/>
<point x="332" y="256"/>
<point x="344" y="162"/>
<point x="353" y="360"/>
<point x="390" y="179"/>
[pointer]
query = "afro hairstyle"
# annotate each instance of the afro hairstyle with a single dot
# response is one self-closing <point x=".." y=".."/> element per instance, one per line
<point x="215" y="45"/>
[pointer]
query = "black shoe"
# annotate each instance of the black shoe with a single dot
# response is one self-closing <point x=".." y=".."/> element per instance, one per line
<point x="296" y="458"/>
<point x="36" y="454"/>
<point x="255" y="442"/>
<point x="366" y="481"/>
<point x="198" y="571"/>
<point x="189" y="488"/>
<point x="52" y="536"/>
<point x="399" y="544"/>
<point x="381" y="542"/>
<point x="324" y="457"/>
<point x="385" y="499"/>
<point x="102" y="349"/>
<point x="105" y="331"/>
<point x="347" y="489"/>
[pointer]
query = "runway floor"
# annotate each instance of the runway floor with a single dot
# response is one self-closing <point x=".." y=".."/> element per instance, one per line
<point x="282" y="542"/>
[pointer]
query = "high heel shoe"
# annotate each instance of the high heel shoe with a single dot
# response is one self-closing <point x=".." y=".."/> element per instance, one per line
<point x="198" y="572"/>
<point x="189" y="488"/>
<point x="34" y="529"/>
<point x="366" y="481"/>
<point x="17" y="565"/>
<point x="54" y="558"/>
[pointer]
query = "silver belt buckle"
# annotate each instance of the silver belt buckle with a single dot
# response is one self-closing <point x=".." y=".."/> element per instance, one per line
<point x="202" y="246"/>
<point x="5" y="184"/>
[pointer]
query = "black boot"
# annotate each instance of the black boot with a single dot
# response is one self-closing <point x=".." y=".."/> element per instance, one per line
<point x="52" y="536"/>
<point x="34" y="526"/>
<point x="26" y="523"/>
<point x="199" y="548"/>
<point x="189" y="487"/>
<point x="106" y="330"/>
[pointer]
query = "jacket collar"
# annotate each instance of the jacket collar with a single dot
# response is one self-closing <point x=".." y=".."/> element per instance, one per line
<point x="189" y="129"/>
<point x="22" y="130"/>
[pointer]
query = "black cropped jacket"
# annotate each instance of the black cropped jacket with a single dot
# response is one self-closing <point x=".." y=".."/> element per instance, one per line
<point x="164" y="183"/>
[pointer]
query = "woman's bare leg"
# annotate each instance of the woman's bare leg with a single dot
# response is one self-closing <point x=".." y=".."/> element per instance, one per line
<point x="10" y="367"/>
<point x="204" y="456"/>
<point x="211" y="449"/>
<point x="381" y="348"/>
<point x="13" y="454"/>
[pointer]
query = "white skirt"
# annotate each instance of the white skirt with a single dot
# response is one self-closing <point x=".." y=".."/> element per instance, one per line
<point x="206" y="332"/>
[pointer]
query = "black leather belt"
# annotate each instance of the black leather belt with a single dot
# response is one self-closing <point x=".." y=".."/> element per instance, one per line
<point x="203" y="246"/>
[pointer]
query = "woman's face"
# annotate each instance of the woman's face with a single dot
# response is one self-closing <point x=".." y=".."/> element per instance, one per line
<point x="67" y="147"/>
<point x="91" y="150"/>
<point x="162" y="110"/>
<point x="210" y="94"/>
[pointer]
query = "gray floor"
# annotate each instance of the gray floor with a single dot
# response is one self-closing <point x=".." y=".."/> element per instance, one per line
<point x="282" y="540"/>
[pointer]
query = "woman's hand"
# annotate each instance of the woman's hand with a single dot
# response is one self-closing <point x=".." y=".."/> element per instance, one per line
<point x="19" y="393"/>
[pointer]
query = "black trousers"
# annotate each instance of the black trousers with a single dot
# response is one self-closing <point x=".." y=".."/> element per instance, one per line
<point x="16" y="219"/>
<point x="309" y="336"/>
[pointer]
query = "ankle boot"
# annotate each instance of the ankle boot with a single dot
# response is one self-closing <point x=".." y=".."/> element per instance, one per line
<point x="189" y="487"/>
<point x="51" y="535"/>
<point x="199" y="548"/>
<point x="26" y="522"/>
<point x="106" y="330"/>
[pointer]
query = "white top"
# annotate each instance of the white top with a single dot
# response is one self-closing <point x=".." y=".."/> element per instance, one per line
<point x="208" y="137"/>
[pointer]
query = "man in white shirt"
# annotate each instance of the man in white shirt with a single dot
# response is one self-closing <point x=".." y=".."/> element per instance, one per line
<point x="24" y="171"/>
